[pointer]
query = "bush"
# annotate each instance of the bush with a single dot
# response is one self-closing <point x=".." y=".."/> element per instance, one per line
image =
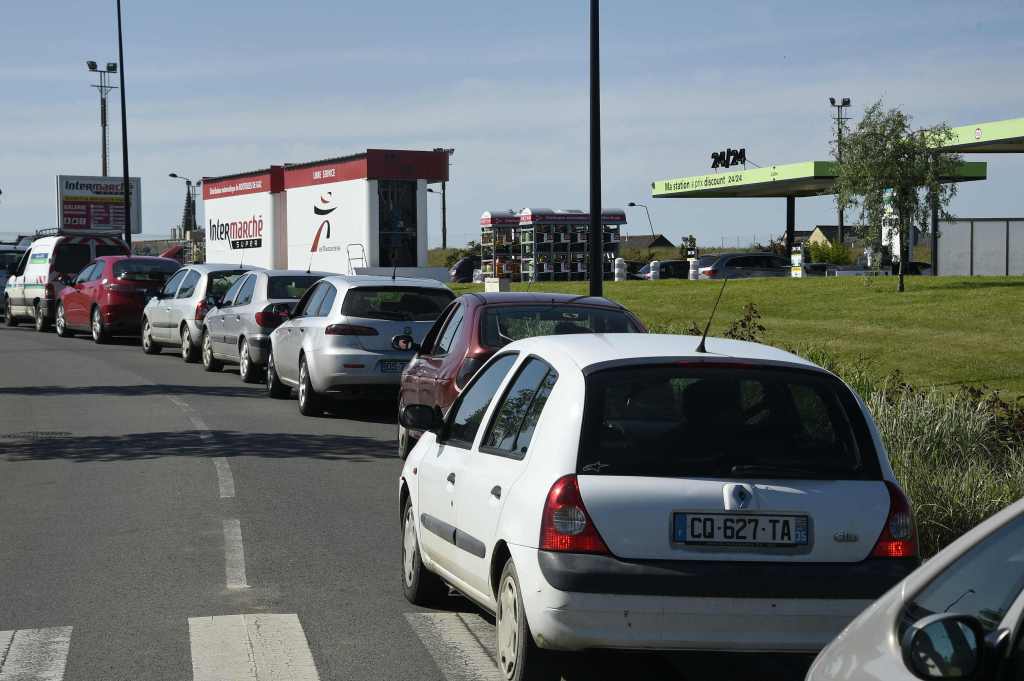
<point x="836" y="254"/>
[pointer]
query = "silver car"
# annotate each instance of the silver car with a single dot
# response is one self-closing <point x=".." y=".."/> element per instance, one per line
<point x="958" y="616"/>
<point x="237" y="331"/>
<point x="175" y="316"/>
<point x="337" y="342"/>
<point x="745" y="266"/>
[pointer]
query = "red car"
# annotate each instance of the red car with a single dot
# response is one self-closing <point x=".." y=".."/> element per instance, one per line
<point x="107" y="297"/>
<point x="476" y="325"/>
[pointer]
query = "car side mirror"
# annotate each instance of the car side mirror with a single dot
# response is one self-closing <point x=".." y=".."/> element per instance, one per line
<point x="405" y="343"/>
<point x="66" y="279"/>
<point x="944" y="646"/>
<point x="421" y="417"/>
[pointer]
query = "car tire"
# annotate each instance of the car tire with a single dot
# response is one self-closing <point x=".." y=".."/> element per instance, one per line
<point x="518" y="657"/>
<point x="149" y="346"/>
<point x="210" y="363"/>
<point x="9" y="318"/>
<point x="419" y="585"/>
<point x="275" y="388"/>
<point x="60" y="325"/>
<point x="310" y="402"/>
<point x="405" y="442"/>
<point x="42" y="326"/>
<point x="188" y="350"/>
<point x="246" y="369"/>
<point x="100" y="335"/>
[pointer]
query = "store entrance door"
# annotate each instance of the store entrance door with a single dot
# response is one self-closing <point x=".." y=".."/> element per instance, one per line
<point x="398" y="227"/>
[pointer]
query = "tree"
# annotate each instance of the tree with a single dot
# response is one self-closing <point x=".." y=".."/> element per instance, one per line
<point x="888" y="164"/>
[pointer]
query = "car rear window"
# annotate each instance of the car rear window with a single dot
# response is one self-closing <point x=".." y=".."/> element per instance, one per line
<point x="219" y="282"/>
<point x="140" y="269"/>
<point x="9" y="260"/>
<point x="70" y="258"/>
<point x="723" y="422"/>
<point x="409" y="304"/>
<point x="502" y="324"/>
<point x="290" y="286"/>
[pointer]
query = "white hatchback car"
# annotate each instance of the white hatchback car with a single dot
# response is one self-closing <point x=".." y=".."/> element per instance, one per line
<point x="960" y="616"/>
<point x="625" y="491"/>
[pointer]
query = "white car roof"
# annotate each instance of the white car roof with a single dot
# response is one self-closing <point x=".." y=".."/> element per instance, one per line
<point x="293" y="273"/>
<point x="588" y="349"/>
<point x="347" y="281"/>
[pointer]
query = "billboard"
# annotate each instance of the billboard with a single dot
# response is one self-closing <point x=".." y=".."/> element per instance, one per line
<point x="87" y="203"/>
<point x="244" y="221"/>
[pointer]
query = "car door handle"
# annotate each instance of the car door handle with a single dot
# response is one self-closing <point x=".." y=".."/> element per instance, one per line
<point x="451" y="478"/>
<point x="496" y="491"/>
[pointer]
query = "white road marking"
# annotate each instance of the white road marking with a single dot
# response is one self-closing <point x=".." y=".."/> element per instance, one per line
<point x="234" y="555"/>
<point x="225" y="481"/>
<point x="34" y="654"/>
<point x="461" y="644"/>
<point x="250" y="648"/>
<point x="197" y="422"/>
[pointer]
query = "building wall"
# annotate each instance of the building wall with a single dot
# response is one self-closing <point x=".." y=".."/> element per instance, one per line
<point x="981" y="247"/>
<point x="248" y="215"/>
<point x="321" y="241"/>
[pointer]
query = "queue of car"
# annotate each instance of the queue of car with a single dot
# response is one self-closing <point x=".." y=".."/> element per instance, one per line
<point x="589" y="484"/>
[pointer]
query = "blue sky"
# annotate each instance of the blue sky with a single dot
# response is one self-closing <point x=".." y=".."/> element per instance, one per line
<point x="217" y="87"/>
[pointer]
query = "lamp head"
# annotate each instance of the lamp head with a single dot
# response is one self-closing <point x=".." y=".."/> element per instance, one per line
<point x="91" y="65"/>
<point x="111" y="67"/>
<point x="832" y="101"/>
<point x="175" y="175"/>
<point x="846" y="101"/>
<point x="631" y="204"/>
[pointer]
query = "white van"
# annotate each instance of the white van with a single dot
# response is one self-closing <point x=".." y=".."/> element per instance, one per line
<point x="33" y="287"/>
<point x="10" y="256"/>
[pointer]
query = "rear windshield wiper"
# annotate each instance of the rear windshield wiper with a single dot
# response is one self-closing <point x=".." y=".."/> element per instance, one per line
<point x="785" y="471"/>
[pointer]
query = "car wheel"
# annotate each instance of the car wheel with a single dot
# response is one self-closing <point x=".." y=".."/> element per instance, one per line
<point x="210" y="363"/>
<point x="9" y="319"/>
<point x="149" y="346"/>
<point x="99" y="332"/>
<point x="420" y="585"/>
<point x="310" y="403"/>
<point x="188" y="350"/>
<point x="246" y="369"/>
<point x="518" y="656"/>
<point x="61" y="324"/>
<point x="275" y="388"/>
<point x="405" y="442"/>
<point x="40" y="319"/>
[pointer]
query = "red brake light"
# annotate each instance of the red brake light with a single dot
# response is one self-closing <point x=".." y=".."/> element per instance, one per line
<point x="119" y="288"/>
<point x="201" y="309"/>
<point x="350" y="330"/>
<point x="710" y="272"/>
<point x="899" y="536"/>
<point x="271" y="317"/>
<point x="565" y="524"/>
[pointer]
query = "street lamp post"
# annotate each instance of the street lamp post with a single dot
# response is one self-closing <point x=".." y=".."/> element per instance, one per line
<point x="843" y="103"/>
<point x="190" y="187"/>
<point x="104" y="87"/>
<point x="444" y="200"/>
<point x="633" y="204"/>
<point x="596" y="224"/>
<point x="124" y="135"/>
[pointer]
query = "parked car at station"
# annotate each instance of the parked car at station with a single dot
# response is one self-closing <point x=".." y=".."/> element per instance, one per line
<point x="959" y="616"/>
<point x="626" y="491"/>
<point x="107" y="297"/>
<point x="10" y="256"/>
<point x="477" y="325"/>
<point x="238" y="330"/>
<point x="667" y="269"/>
<point x="47" y="267"/>
<point x="462" y="271"/>
<point x="338" y="341"/>
<point x="746" y="265"/>
<point x="174" y="317"/>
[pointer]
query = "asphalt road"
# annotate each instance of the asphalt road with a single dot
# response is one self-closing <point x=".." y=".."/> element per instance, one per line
<point x="161" y="522"/>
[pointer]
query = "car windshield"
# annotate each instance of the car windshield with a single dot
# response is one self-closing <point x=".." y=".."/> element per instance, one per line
<point x="142" y="269"/>
<point x="706" y="260"/>
<point x="502" y="324"/>
<point x="70" y="258"/>
<point x="396" y="303"/>
<point x="724" y="422"/>
<point x="291" y="286"/>
<point x="9" y="260"/>
<point x="220" y="282"/>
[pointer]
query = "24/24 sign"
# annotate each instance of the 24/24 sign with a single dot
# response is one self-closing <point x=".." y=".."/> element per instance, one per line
<point x="728" y="158"/>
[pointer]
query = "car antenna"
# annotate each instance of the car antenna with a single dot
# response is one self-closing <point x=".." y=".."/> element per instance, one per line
<point x="394" y="272"/>
<point x="702" y="348"/>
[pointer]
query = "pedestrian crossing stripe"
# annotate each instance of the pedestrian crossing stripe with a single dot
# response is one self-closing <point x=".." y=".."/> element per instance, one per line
<point x="250" y="648"/>
<point x="34" y="654"/>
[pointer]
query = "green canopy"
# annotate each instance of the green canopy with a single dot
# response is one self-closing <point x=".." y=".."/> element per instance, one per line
<point x="996" y="137"/>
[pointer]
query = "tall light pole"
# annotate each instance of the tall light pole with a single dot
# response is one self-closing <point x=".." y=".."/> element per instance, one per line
<point x="444" y="200"/>
<point x="843" y="103"/>
<point x="596" y="225"/>
<point x="124" y="136"/>
<point x="104" y="87"/>
<point x="633" y="204"/>
<point x="190" y="187"/>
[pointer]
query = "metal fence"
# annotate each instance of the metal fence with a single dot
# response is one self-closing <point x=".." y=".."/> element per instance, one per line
<point x="981" y="246"/>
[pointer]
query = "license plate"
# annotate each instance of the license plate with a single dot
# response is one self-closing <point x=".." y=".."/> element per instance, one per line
<point x="392" y="366"/>
<point x="720" y="529"/>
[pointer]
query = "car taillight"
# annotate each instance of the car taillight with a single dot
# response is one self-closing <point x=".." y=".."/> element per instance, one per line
<point x="119" y="288"/>
<point x="350" y="330"/>
<point x="271" y="317"/>
<point x="709" y="272"/>
<point x="899" y="537"/>
<point x="466" y="372"/>
<point x="565" y="524"/>
<point x="202" y="307"/>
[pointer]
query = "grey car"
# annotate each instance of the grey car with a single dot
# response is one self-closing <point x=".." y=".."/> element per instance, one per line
<point x="237" y="331"/>
<point x="745" y="266"/>
<point x="337" y="342"/>
<point x="174" y="317"/>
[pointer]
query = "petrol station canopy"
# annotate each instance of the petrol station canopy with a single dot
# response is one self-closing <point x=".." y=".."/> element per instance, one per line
<point x="996" y="137"/>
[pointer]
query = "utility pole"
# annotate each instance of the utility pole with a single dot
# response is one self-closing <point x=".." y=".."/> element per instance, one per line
<point x="840" y="120"/>
<point x="444" y="200"/>
<point x="104" y="88"/>
<point x="124" y="136"/>
<point x="596" y="224"/>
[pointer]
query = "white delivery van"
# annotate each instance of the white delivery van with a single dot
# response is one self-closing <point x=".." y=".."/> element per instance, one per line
<point x="33" y="287"/>
<point x="10" y="256"/>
